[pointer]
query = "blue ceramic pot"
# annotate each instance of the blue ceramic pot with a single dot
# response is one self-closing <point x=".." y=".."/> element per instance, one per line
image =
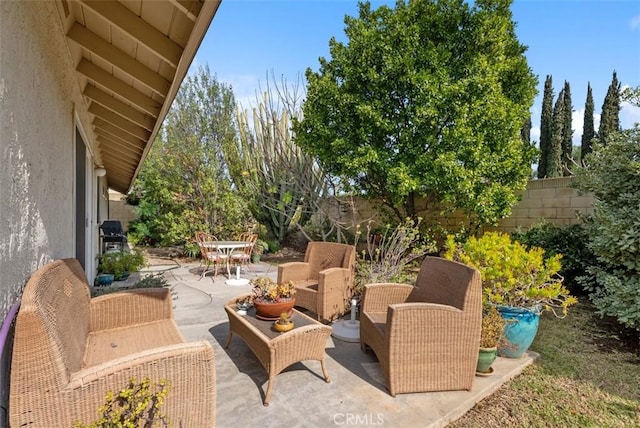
<point x="521" y="329"/>
<point x="104" y="279"/>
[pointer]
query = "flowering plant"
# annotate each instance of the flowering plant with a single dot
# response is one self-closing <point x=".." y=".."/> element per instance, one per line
<point x="267" y="290"/>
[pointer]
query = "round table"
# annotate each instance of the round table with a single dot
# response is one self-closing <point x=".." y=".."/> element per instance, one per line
<point x="226" y="248"/>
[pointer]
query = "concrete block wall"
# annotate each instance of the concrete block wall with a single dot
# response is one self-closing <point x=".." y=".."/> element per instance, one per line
<point x="552" y="199"/>
<point x="119" y="210"/>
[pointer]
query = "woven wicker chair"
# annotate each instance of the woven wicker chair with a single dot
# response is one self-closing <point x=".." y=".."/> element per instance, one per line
<point x="243" y="257"/>
<point x="324" y="281"/>
<point x="426" y="336"/>
<point x="209" y="254"/>
<point x="70" y="350"/>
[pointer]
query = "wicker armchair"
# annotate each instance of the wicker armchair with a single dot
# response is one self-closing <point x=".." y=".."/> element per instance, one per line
<point x="426" y="336"/>
<point x="324" y="281"/>
<point x="70" y="350"/>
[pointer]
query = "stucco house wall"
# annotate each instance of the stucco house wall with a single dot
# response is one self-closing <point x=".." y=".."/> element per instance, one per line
<point x="37" y="155"/>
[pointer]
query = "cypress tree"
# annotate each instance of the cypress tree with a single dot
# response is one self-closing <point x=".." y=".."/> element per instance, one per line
<point x="554" y="159"/>
<point x="609" y="120"/>
<point x="567" y="132"/>
<point x="525" y="131"/>
<point x="545" y="127"/>
<point x="588" y="130"/>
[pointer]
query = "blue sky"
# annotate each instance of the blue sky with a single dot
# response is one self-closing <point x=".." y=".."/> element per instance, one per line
<point x="578" y="41"/>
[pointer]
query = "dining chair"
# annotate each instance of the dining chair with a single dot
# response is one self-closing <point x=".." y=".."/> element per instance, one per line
<point x="243" y="257"/>
<point x="209" y="252"/>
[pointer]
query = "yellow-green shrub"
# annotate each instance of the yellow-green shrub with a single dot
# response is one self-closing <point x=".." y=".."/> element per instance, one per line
<point x="138" y="404"/>
<point x="513" y="275"/>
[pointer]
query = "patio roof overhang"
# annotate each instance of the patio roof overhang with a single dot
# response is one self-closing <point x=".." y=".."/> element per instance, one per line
<point x="131" y="58"/>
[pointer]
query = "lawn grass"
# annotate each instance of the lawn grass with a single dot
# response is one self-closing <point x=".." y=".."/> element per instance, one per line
<point x="588" y="375"/>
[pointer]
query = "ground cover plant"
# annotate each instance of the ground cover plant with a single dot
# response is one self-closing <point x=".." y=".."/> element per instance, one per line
<point x="587" y="375"/>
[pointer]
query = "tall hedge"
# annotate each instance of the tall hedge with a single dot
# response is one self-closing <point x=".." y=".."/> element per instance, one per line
<point x="612" y="174"/>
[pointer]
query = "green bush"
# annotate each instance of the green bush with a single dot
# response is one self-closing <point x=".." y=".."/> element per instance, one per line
<point x="612" y="174"/>
<point x="191" y="249"/>
<point x="120" y="262"/>
<point x="512" y="274"/>
<point x="570" y="241"/>
<point x="389" y="252"/>
<point x="150" y="281"/>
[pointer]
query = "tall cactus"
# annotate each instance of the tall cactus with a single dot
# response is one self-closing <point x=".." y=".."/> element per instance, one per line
<point x="269" y="170"/>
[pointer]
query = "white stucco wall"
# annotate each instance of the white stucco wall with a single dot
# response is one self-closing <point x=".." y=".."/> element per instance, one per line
<point x="39" y="97"/>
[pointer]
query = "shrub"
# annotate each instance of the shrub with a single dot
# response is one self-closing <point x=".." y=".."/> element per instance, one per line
<point x="513" y="275"/>
<point x="612" y="174"/>
<point x="570" y="241"/>
<point x="389" y="252"/>
<point x="138" y="404"/>
<point x="150" y="281"/>
<point x="191" y="249"/>
<point x="120" y="262"/>
<point x="492" y="331"/>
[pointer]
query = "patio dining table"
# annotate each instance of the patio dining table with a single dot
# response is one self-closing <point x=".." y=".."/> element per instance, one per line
<point x="226" y="248"/>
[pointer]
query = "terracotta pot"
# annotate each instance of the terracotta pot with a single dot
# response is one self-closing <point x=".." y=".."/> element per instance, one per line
<point x="272" y="310"/>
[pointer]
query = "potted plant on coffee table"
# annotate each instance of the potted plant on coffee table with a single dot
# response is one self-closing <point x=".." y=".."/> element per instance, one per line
<point x="519" y="281"/>
<point x="272" y="299"/>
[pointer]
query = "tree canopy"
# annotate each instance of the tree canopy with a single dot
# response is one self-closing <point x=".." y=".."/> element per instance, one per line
<point x="609" y="119"/>
<point x="183" y="186"/>
<point x="426" y="99"/>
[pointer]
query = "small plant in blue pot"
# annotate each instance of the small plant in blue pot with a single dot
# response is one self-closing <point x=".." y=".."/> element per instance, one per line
<point x="121" y="263"/>
<point x="519" y="281"/>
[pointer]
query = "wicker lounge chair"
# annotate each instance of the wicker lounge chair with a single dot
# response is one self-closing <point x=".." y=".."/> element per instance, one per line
<point x="426" y="336"/>
<point x="324" y="281"/>
<point x="69" y="351"/>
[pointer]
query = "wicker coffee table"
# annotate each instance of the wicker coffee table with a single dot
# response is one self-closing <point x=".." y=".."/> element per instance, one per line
<point x="277" y="351"/>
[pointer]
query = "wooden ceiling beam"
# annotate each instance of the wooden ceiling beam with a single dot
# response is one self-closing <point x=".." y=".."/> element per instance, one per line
<point x="119" y="121"/>
<point x="107" y="141"/>
<point x="121" y="148"/>
<point x="134" y="115"/>
<point x="118" y="164"/>
<point x="114" y="130"/>
<point x="112" y="83"/>
<point x="118" y="58"/>
<point x="134" y="150"/>
<point x="190" y="8"/>
<point x="138" y="28"/>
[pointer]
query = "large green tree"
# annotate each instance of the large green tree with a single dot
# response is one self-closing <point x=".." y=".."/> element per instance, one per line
<point x="610" y="117"/>
<point x="183" y="186"/>
<point x="546" y="126"/>
<point x="588" y="130"/>
<point x="425" y="99"/>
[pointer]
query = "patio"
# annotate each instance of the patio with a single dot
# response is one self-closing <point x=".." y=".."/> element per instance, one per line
<point x="355" y="396"/>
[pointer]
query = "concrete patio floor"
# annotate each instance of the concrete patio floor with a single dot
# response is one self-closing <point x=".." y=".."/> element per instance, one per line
<point x="355" y="396"/>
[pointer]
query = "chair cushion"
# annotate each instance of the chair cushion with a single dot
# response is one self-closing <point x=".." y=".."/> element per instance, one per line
<point x="379" y="320"/>
<point x="107" y="345"/>
<point x="309" y="284"/>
